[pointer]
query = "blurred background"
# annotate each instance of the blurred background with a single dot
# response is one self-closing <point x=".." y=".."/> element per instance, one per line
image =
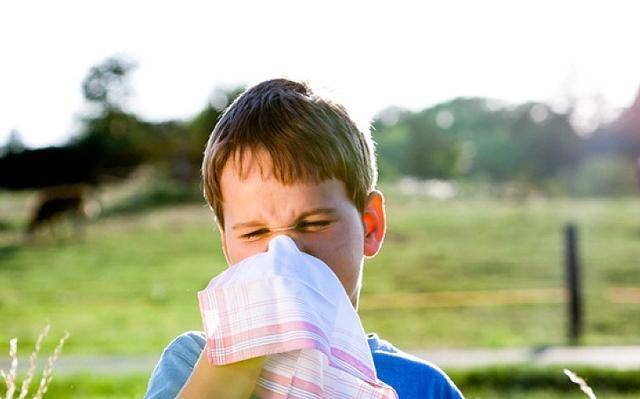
<point x="508" y="147"/>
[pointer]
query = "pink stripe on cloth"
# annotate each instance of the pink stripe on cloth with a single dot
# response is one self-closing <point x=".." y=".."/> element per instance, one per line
<point x="296" y="382"/>
<point x="242" y="337"/>
<point x="255" y="350"/>
<point x="354" y="361"/>
<point x="290" y="307"/>
<point x="264" y="393"/>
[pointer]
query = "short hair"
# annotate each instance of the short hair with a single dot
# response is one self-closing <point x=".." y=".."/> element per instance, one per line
<point x="309" y="139"/>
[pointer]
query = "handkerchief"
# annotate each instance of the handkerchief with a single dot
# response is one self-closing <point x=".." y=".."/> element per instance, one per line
<point x="291" y="307"/>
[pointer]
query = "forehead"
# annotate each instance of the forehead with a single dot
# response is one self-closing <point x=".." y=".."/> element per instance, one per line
<point x="286" y="165"/>
<point x="257" y="190"/>
<point x="256" y="166"/>
<point x="243" y="164"/>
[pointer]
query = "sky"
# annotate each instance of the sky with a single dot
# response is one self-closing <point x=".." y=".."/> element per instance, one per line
<point x="368" y="55"/>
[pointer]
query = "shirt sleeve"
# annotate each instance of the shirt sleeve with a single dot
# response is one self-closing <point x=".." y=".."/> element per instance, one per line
<point x="413" y="377"/>
<point x="175" y="366"/>
<point x="448" y="390"/>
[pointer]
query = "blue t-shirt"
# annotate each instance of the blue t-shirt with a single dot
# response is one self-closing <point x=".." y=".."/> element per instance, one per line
<point x="410" y="376"/>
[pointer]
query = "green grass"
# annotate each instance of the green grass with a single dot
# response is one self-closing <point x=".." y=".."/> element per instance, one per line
<point x="87" y="386"/>
<point x="497" y="382"/>
<point x="552" y="378"/>
<point x="130" y="286"/>
<point x="544" y="382"/>
<point x="541" y="394"/>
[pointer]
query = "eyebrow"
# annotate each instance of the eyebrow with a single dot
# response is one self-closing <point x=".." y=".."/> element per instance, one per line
<point x="303" y="215"/>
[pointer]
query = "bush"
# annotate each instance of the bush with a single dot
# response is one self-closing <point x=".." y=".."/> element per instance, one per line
<point x="154" y="191"/>
<point x="602" y="176"/>
<point x="529" y="378"/>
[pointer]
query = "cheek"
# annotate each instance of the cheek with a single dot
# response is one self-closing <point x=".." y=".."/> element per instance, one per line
<point x="237" y="251"/>
<point x="343" y="254"/>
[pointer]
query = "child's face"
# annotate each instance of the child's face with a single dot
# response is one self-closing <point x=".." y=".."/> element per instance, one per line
<point x="325" y="223"/>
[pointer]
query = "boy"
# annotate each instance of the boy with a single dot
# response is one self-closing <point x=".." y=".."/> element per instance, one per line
<point x="280" y="155"/>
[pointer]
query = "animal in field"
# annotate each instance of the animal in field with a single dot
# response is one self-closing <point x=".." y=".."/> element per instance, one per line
<point x="54" y="205"/>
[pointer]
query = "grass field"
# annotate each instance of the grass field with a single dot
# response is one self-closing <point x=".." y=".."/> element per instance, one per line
<point x="130" y="285"/>
<point x="520" y="382"/>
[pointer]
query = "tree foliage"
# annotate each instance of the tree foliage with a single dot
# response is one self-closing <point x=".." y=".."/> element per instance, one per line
<point x="107" y="84"/>
<point x="474" y="137"/>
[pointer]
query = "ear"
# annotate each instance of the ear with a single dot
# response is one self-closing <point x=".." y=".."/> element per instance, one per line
<point x="374" y="222"/>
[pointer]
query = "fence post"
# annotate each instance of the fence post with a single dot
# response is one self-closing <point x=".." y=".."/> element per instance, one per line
<point x="574" y="288"/>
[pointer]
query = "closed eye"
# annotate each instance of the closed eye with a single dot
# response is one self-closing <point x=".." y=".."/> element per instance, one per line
<point x="302" y="225"/>
<point x="255" y="233"/>
<point x="318" y="223"/>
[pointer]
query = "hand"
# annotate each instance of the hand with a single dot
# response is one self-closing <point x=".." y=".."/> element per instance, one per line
<point x="233" y="380"/>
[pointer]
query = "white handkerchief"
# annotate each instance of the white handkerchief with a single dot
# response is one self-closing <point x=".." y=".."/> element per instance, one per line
<point x="291" y="307"/>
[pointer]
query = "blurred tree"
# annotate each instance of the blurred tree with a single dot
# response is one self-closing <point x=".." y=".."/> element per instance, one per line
<point x="391" y="141"/>
<point x="621" y="136"/>
<point x="117" y="141"/>
<point x="430" y="152"/>
<point x="199" y="128"/>
<point x="107" y="84"/>
<point x="114" y="140"/>
<point x="45" y="167"/>
<point x="600" y="175"/>
<point x="202" y="124"/>
<point x="14" y="144"/>
<point x="544" y="143"/>
<point x="413" y="144"/>
<point x="482" y="125"/>
<point x="478" y="138"/>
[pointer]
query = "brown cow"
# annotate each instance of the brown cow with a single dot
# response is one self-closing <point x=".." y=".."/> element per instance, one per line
<point x="56" y="203"/>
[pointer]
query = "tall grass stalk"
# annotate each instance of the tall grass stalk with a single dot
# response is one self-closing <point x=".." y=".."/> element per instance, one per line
<point x="32" y="364"/>
<point x="581" y="383"/>
<point x="10" y="378"/>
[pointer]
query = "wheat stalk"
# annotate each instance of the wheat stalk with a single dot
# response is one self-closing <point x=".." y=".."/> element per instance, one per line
<point x="11" y="377"/>
<point x="32" y="364"/>
<point x="48" y="369"/>
<point x="581" y="383"/>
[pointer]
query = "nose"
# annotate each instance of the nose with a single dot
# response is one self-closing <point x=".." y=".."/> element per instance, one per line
<point x="279" y="237"/>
